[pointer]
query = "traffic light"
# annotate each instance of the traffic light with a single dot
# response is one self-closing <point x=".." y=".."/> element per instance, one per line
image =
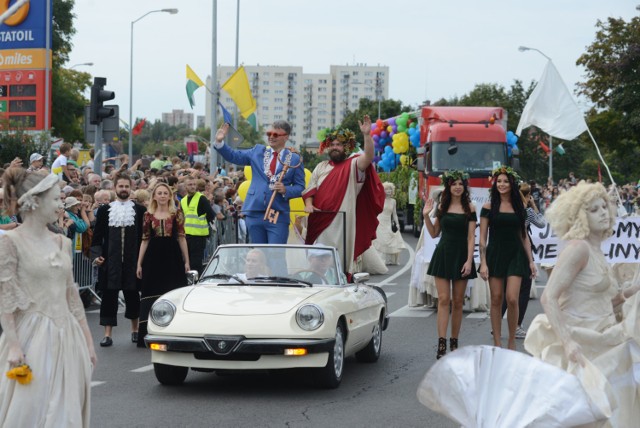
<point x="97" y="111"/>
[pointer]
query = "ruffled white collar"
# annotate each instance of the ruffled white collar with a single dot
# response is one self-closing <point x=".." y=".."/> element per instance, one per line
<point x="121" y="214"/>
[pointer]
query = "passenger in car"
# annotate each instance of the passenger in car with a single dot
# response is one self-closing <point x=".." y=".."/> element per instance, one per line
<point x="255" y="265"/>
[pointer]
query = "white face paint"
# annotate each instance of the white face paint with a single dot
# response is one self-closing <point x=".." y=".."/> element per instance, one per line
<point x="388" y="192"/>
<point x="598" y="215"/>
<point x="49" y="205"/>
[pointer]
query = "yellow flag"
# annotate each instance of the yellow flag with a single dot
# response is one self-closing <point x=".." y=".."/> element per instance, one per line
<point x="193" y="83"/>
<point x="238" y="89"/>
<point x="191" y="75"/>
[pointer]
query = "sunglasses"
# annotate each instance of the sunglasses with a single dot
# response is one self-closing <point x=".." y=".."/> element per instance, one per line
<point x="275" y="134"/>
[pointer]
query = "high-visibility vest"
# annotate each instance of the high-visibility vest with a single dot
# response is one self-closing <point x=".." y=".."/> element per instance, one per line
<point x="194" y="225"/>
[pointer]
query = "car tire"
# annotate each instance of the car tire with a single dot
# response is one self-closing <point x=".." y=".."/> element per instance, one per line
<point x="330" y="376"/>
<point x="170" y="375"/>
<point x="371" y="352"/>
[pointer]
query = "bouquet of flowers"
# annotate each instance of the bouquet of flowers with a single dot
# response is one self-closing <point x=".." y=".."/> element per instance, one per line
<point x="21" y="373"/>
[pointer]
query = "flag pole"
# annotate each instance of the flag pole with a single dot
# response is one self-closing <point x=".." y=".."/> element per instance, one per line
<point x="213" y="163"/>
<point x="235" y="106"/>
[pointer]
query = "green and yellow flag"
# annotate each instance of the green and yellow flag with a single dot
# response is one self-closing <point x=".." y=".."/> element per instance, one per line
<point x="237" y="86"/>
<point x="193" y="83"/>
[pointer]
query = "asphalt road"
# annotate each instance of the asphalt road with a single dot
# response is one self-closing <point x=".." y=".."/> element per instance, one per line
<point x="125" y="392"/>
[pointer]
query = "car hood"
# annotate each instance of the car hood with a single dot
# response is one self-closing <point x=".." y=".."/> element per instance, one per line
<point x="245" y="300"/>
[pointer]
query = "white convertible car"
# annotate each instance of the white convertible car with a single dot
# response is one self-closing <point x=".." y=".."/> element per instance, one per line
<point x="263" y="307"/>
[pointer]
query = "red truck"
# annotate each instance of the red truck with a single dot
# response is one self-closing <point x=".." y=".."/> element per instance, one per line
<point x="472" y="139"/>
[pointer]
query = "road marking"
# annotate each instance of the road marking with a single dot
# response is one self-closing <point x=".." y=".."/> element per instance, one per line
<point x="143" y="369"/>
<point x="96" y="383"/>
<point x="410" y="312"/>
<point x="405" y="268"/>
<point x="386" y="283"/>
<point x="389" y="294"/>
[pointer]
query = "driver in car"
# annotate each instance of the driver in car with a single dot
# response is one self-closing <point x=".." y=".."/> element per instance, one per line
<point x="320" y="268"/>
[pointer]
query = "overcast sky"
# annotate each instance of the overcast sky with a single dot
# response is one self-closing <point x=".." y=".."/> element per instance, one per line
<point x="434" y="49"/>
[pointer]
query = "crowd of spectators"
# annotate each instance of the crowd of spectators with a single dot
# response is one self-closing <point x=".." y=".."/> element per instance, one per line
<point x="83" y="191"/>
<point x="544" y="195"/>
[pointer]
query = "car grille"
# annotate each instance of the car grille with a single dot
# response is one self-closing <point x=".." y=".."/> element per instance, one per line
<point x="232" y="357"/>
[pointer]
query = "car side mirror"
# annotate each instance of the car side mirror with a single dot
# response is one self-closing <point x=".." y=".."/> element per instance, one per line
<point x="192" y="277"/>
<point x="361" y="277"/>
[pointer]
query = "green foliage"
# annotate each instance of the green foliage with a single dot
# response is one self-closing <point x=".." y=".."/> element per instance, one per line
<point x="14" y="142"/>
<point x="400" y="177"/>
<point x="388" y="108"/>
<point x="613" y="85"/>
<point x="67" y="115"/>
<point x="310" y="159"/>
<point x="63" y="30"/>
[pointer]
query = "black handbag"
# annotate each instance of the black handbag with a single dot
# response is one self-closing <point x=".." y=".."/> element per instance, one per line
<point x="394" y="226"/>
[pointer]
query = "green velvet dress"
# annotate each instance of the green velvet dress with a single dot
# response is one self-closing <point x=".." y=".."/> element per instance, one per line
<point x="451" y="252"/>
<point x="505" y="253"/>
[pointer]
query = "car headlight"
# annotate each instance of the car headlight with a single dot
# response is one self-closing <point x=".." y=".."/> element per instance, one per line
<point x="309" y="317"/>
<point x="162" y="312"/>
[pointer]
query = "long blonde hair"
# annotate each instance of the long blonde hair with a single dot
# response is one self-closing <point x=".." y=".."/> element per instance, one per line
<point x="153" y="204"/>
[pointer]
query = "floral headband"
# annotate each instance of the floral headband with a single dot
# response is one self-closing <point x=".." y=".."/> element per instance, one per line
<point x="453" y="175"/>
<point x="504" y="169"/>
<point x="343" y="135"/>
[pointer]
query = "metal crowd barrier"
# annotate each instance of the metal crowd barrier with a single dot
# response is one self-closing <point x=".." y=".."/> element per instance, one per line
<point x="225" y="231"/>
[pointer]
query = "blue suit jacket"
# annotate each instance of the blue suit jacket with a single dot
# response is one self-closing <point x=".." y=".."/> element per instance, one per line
<point x="258" y="195"/>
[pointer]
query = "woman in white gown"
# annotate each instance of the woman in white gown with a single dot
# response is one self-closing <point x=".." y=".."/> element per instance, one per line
<point x="388" y="243"/>
<point x="581" y="301"/>
<point x="42" y="316"/>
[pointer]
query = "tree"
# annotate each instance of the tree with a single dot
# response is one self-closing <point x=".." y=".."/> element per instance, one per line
<point x="67" y="86"/>
<point x="68" y="103"/>
<point x="613" y="85"/>
<point x="388" y="108"/>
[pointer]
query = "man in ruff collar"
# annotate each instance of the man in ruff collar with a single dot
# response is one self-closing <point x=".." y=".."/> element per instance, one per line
<point x="114" y="248"/>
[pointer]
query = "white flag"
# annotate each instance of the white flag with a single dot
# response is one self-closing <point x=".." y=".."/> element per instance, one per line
<point x="551" y="108"/>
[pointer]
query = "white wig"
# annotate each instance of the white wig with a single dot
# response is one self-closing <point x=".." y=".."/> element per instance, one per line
<point x="567" y="215"/>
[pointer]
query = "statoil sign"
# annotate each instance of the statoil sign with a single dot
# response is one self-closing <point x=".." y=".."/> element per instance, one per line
<point x="27" y="28"/>
<point x="25" y="64"/>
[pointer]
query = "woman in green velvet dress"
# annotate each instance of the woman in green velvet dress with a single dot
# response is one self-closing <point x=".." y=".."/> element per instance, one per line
<point x="452" y="261"/>
<point x="508" y="253"/>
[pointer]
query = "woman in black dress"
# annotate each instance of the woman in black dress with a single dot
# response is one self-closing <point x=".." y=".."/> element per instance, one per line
<point x="163" y="260"/>
<point x="452" y="260"/>
<point x="508" y="254"/>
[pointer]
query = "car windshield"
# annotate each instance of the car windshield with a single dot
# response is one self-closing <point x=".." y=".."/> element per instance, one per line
<point x="268" y="264"/>
<point x="476" y="156"/>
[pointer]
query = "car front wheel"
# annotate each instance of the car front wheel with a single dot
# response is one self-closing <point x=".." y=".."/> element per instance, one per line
<point x="371" y="352"/>
<point x="170" y="375"/>
<point x="330" y="375"/>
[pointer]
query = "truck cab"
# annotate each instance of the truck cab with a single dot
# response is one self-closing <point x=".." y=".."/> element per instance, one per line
<point x="471" y="139"/>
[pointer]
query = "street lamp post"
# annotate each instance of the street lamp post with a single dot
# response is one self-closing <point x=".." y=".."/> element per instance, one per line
<point x="88" y="64"/>
<point x="524" y="49"/>
<point x="172" y="12"/>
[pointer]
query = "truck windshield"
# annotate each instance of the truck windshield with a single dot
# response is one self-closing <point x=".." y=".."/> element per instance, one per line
<point x="470" y="156"/>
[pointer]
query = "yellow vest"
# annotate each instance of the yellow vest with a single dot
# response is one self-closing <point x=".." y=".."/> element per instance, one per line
<point x="194" y="225"/>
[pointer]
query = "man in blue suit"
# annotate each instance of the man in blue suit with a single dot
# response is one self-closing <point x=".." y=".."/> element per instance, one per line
<point x="266" y="169"/>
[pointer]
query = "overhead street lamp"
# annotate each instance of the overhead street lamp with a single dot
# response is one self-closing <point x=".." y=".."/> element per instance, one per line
<point x="88" y="64"/>
<point x="524" y="49"/>
<point x="172" y="12"/>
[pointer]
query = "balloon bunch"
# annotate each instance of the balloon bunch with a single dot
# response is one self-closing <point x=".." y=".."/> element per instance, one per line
<point x="512" y="142"/>
<point x="392" y="137"/>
